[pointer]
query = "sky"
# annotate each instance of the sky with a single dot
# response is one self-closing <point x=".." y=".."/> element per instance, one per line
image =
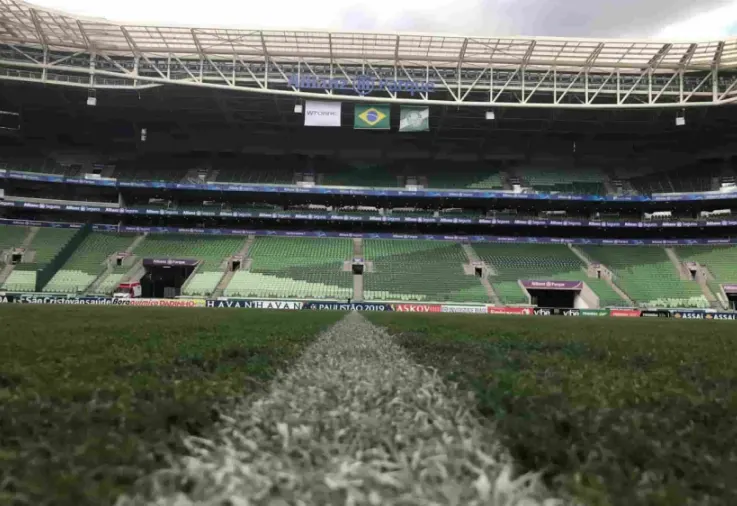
<point x="651" y="19"/>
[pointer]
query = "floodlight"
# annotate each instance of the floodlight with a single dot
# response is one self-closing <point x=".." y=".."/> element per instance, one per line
<point x="297" y="108"/>
<point x="490" y="115"/>
<point x="91" y="98"/>
<point x="144" y="134"/>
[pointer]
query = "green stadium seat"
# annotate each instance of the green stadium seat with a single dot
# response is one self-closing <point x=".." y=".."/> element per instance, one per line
<point x="295" y="268"/>
<point x="87" y="262"/>
<point x="647" y="276"/>
<point x="542" y="262"/>
<point x="419" y="271"/>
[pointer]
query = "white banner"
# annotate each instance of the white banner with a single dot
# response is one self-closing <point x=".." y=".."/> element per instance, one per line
<point x="322" y="114"/>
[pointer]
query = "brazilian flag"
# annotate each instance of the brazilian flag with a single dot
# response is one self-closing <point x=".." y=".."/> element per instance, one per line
<point x="371" y="117"/>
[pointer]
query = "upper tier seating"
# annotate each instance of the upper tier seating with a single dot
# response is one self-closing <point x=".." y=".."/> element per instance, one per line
<point x="419" y="271"/>
<point x="481" y="180"/>
<point x="255" y="176"/>
<point x="87" y="262"/>
<point x="369" y="176"/>
<point x="647" y="275"/>
<point x="295" y="267"/>
<point x="551" y="179"/>
<point x="538" y="262"/>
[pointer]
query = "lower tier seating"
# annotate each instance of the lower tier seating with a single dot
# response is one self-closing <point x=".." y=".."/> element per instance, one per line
<point x="540" y="262"/>
<point x="283" y="266"/>
<point x="87" y="262"/>
<point x="647" y="275"/>
<point x="419" y="271"/>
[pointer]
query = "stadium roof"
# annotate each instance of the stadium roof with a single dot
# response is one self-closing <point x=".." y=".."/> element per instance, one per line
<point x="24" y="24"/>
<point x="48" y="47"/>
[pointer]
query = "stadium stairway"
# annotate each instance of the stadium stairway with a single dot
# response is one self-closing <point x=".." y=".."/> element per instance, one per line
<point x="427" y="271"/>
<point x="515" y="262"/>
<point x="295" y="268"/>
<point x="647" y="275"/>
<point x="717" y="265"/>
<point x="111" y="277"/>
<point x="608" y="279"/>
<point x="473" y="258"/>
<point x="685" y="275"/>
<point x="228" y="275"/>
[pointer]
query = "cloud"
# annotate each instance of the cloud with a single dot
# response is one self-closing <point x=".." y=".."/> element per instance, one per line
<point x="682" y="19"/>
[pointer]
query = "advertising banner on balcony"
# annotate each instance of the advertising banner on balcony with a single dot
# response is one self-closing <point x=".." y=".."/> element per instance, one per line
<point x="176" y="262"/>
<point x="322" y="114"/>
<point x="525" y="311"/>
<point x="417" y="308"/>
<point x="354" y="306"/>
<point x="371" y="117"/>
<point x="730" y="288"/>
<point x="291" y="305"/>
<point x="552" y="285"/>
<point x="594" y="312"/>
<point x="721" y="316"/>
<point x="414" y="119"/>
<point x="625" y="313"/>
<point x="450" y="308"/>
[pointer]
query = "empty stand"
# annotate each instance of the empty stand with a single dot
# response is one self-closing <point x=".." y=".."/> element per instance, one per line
<point x="543" y="262"/>
<point x="295" y="267"/>
<point x="210" y="251"/>
<point x="647" y="275"/>
<point x="481" y="180"/>
<point x="87" y="262"/>
<point x="366" y="176"/>
<point x="46" y="244"/>
<point x="721" y="261"/>
<point x="11" y="237"/>
<point x="419" y="271"/>
<point x="552" y="179"/>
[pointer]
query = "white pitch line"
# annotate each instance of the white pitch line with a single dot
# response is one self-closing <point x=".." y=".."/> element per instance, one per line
<point x="354" y="422"/>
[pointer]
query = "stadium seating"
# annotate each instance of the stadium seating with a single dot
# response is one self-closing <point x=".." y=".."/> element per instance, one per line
<point x="250" y="176"/>
<point x="550" y="179"/>
<point x="11" y="237"/>
<point x="720" y="260"/>
<point x="481" y="180"/>
<point x="111" y="281"/>
<point x="419" y="271"/>
<point x="22" y="279"/>
<point x="87" y="262"/>
<point x="47" y="244"/>
<point x="210" y="251"/>
<point x="541" y="262"/>
<point x="368" y="176"/>
<point x="647" y="275"/>
<point x="295" y="267"/>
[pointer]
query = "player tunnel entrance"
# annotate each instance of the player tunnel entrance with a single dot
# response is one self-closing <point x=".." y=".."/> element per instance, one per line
<point x="165" y="277"/>
<point x="731" y="292"/>
<point x="560" y="294"/>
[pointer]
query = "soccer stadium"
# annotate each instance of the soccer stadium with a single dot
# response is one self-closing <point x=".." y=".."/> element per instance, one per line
<point x="319" y="184"/>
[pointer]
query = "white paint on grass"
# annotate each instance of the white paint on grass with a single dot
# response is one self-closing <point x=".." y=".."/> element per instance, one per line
<point x="355" y="422"/>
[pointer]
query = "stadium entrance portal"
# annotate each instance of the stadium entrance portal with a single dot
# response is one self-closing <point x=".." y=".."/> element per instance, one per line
<point x="164" y="278"/>
<point x="563" y="299"/>
<point x="731" y="292"/>
<point x="560" y="294"/>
